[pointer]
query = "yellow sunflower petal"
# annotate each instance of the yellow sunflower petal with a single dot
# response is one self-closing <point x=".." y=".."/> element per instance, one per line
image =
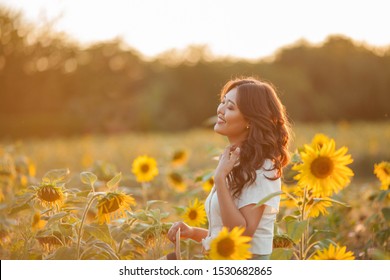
<point x="334" y="253"/>
<point x="230" y="245"/>
<point x="144" y="168"/>
<point x="195" y="214"/>
<point x="324" y="171"/>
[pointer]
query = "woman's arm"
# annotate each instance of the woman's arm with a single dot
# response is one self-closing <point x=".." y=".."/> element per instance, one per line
<point x="186" y="231"/>
<point x="247" y="216"/>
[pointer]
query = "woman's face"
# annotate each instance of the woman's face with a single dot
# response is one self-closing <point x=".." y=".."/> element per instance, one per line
<point x="231" y="123"/>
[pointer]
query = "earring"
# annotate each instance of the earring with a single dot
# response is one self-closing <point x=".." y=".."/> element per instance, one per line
<point x="247" y="127"/>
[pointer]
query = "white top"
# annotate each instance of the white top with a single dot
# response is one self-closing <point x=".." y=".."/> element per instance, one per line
<point x="262" y="239"/>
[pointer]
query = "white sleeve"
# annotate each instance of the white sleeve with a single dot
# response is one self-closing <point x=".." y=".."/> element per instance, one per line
<point x="261" y="188"/>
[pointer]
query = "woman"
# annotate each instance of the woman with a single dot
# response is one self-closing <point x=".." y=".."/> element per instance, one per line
<point x="254" y="120"/>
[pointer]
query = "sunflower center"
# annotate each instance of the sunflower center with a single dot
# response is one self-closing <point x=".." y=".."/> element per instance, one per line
<point x="49" y="194"/>
<point x="145" y="168"/>
<point x="176" y="178"/>
<point x="321" y="167"/>
<point x="178" y="155"/>
<point x="282" y="242"/>
<point x="111" y="205"/>
<point x="193" y="214"/>
<point x="225" y="247"/>
<point x="5" y="172"/>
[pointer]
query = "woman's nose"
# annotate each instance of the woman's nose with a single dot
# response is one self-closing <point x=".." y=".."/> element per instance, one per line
<point x="220" y="109"/>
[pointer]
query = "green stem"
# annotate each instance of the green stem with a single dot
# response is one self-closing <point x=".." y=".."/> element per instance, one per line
<point x="311" y="246"/>
<point x="82" y="223"/>
<point x="145" y="186"/>
<point x="93" y="189"/>
<point x="120" y="246"/>
<point x="303" y="237"/>
<point x="188" y="249"/>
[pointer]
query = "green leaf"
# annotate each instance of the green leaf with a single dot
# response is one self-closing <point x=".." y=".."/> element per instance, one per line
<point x="281" y="254"/>
<point x="83" y="193"/>
<point x="295" y="229"/>
<point x="383" y="195"/>
<point x="56" y="175"/>
<point x="151" y="202"/>
<point x="107" y="249"/>
<point x="268" y="197"/>
<point x="101" y="232"/>
<point x="378" y="254"/>
<point x="205" y="176"/>
<point x="141" y="215"/>
<point x="56" y="217"/>
<point x="66" y="229"/>
<point x="92" y="253"/>
<point x="154" y="215"/>
<point x="114" y="181"/>
<point x="138" y="241"/>
<point x="121" y="233"/>
<point x="331" y="200"/>
<point x="179" y="209"/>
<point x="289" y="218"/>
<point x="296" y="158"/>
<point x="88" y="178"/>
<point x="64" y="253"/>
<point x="386" y="213"/>
<point x="19" y="208"/>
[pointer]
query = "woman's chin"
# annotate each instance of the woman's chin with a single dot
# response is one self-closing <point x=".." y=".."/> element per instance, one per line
<point x="218" y="129"/>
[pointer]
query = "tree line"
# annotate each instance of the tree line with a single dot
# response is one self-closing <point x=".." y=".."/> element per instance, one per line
<point x="50" y="85"/>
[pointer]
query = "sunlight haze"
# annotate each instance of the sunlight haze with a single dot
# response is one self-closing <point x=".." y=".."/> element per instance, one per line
<point x="247" y="28"/>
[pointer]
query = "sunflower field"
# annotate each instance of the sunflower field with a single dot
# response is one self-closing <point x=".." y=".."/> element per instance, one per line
<point x="115" y="197"/>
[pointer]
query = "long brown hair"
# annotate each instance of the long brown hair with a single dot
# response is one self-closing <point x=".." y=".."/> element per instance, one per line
<point x="268" y="131"/>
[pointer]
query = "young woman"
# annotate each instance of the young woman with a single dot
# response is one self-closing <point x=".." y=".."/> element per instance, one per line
<point x="254" y="120"/>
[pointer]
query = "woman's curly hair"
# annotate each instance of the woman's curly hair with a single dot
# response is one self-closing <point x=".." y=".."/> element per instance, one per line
<point x="268" y="132"/>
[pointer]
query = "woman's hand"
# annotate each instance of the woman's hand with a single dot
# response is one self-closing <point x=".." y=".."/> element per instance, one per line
<point x="185" y="231"/>
<point x="227" y="161"/>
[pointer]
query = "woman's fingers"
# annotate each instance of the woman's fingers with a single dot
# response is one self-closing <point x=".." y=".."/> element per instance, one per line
<point x="232" y="152"/>
<point x="174" y="228"/>
<point x="172" y="232"/>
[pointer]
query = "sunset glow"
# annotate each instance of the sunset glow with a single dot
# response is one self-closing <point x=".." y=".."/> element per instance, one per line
<point x="247" y="28"/>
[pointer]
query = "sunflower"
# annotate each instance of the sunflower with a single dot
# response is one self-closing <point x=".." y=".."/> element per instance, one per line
<point x="324" y="171"/>
<point x="382" y="171"/>
<point x="230" y="245"/>
<point x="285" y="200"/>
<point x="144" y="168"/>
<point x="315" y="208"/>
<point x="37" y="223"/>
<point x="319" y="140"/>
<point x="208" y="184"/>
<point x="195" y="214"/>
<point x="312" y="209"/>
<point x="49" y="194"/>
<point x="180" y="157"/>
<point x="334" y="253"/>
<point x="177" y="181"/>
<point x="282" y="241"/>
<point x="113" y="204"/>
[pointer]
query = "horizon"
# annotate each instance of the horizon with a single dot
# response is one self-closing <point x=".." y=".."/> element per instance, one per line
<point x="217" y="33"/>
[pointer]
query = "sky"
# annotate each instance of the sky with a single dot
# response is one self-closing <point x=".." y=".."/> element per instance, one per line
<point x="249" y="29"/>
